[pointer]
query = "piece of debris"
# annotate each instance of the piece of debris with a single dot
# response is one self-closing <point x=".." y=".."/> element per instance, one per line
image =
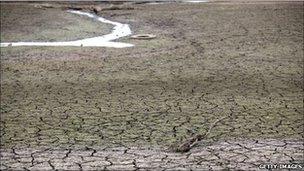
<point x="189" y="143"/>
<point x="97" y="9"/>
<point x="143" y="36"/>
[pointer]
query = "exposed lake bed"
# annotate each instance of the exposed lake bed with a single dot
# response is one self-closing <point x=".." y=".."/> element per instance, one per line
<point x="207" y="60"/>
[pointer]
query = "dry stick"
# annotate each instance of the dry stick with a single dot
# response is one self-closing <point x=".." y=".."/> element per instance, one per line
<point x="189" y="143"/>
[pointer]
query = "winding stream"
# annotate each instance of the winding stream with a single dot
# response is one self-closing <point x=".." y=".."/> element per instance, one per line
<point x="119" y="30"/>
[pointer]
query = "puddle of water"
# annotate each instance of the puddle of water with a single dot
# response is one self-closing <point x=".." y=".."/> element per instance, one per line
<point x="119" y="30"/>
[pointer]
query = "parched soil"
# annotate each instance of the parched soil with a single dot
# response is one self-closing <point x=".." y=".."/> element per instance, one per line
<point x="207" y="61"/>
<point x="230" y="155"/>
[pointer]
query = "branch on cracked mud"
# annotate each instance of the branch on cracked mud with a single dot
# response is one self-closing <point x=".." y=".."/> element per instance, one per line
<point x="189" y="143"/>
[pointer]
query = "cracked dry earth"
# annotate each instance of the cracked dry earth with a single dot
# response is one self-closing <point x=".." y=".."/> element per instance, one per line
<point x="126" y="109"/>
<point x="235" y="155"/>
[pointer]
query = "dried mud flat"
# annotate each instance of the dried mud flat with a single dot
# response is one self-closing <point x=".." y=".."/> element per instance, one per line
<point x="71" y="108"/>
<point x="234" y="155"/>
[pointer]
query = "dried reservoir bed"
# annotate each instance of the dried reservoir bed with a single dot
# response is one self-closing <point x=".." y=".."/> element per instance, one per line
<point x="208" y="60"/>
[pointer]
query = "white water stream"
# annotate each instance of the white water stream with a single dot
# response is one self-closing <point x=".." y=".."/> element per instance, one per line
<point x="119" y="30"/>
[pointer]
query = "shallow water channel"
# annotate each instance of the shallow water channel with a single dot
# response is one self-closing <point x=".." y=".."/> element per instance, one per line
<point x="119" y="30"/>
